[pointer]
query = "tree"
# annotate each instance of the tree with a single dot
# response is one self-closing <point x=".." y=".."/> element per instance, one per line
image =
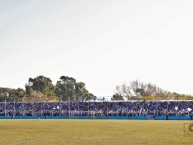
<point x="65" y="88"/>
<point x="40" y="84"/>
<point x="36" y="96"/>
<point x="137" y="89"/>
<point x="10" y="95"/>
<point x="80" y="91"/>
<point x="117" y="97"/>
<point x="69" y="90"/>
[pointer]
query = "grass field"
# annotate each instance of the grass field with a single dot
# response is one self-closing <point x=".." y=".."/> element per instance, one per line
<point x="93" y="132"/>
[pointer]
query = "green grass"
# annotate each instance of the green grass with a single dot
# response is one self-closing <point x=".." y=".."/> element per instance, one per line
<point x="92" y="132"/>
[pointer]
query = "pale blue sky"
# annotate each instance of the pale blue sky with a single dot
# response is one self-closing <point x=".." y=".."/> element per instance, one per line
<point x="103" y="43"/>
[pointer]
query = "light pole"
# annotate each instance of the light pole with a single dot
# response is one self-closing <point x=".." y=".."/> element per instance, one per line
<point x="79" y="93"/>
<point x="6" y="95"/>
<point x="14" y="108"/>
<point x="69" y="112"/>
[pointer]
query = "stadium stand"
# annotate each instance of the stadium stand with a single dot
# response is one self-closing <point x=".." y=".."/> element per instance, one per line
<point x="141" y="110"/>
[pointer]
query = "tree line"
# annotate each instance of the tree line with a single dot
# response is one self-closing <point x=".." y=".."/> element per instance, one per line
<point x="146" y="91"/>
<point x="42" y="89"/>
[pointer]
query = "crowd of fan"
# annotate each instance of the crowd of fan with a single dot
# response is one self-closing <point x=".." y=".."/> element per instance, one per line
<point x="129" y="108"/>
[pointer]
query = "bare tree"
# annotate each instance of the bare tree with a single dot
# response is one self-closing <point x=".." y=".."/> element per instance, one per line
<point x="137" y="89"/>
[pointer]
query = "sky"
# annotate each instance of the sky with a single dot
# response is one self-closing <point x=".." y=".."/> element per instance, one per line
<point x="103" y="43"/>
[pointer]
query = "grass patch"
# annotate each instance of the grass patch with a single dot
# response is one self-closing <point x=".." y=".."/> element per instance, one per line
<point x="93" y="132"/>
